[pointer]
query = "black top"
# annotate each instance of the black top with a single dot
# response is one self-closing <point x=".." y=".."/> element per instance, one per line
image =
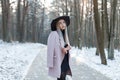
<point x="65" y="63"/>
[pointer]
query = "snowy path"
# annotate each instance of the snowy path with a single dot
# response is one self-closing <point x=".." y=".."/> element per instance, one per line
<point x="16" y="58"/>
<point x="38" y="70"/>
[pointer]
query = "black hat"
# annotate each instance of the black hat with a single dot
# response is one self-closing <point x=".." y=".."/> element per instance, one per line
<point x="54" y="22"/>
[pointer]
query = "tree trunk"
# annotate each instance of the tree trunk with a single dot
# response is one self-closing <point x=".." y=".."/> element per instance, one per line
<point x="34" y="23"/>
<point x="75" y="23"/>
<point x="42" y="25"/>
<point x="99" y="34"/>
<point x="25" y="7"/>
<point x="112" y="27"/>
<point x="66" y="7"/>
<point x="5" y="20"/>
<point x="19" y="30"/>
<point x="97" y="51"/>
<point x="106" y="25"/>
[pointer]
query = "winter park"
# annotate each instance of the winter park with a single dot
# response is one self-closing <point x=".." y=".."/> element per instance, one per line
<point x="59" y="40"/>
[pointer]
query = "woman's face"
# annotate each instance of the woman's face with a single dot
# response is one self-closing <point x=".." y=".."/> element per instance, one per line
<point x="61" y="24"/>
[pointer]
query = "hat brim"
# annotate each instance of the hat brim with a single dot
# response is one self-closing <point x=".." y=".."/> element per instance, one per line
<point x="54" y="22"/>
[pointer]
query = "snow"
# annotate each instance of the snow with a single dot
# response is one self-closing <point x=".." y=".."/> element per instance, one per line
<point x="88" y="57"/>
<point x="16" y="59"/>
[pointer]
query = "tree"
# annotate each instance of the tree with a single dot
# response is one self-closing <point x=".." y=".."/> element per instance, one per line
<point x="18" y="17"/>
<point x="34" y="10"/>
<point x="23" y="26"/>
<point x="112" y="29"/>
<point x="5" y="19"/>
<point x="99" y="33"/>
<point x="105" y="21"/>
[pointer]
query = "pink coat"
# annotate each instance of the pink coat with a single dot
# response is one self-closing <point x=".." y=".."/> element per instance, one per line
<point x="54" y="55"/>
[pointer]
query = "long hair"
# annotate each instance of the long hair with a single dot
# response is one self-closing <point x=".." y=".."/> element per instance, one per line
<point x="63" y="33"/>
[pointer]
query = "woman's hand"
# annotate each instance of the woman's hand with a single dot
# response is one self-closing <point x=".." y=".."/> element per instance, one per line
<point x="68" y="47"/>
<point x="64" y="50"/>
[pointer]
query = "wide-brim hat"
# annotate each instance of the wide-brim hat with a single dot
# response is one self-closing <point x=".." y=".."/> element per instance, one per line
<point x="54" y="22"/>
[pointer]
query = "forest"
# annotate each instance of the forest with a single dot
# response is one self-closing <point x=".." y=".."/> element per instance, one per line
<point x="94" y="23"/>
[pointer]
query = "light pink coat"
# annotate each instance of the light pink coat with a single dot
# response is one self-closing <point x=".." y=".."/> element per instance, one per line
<point x="54" y="55"/>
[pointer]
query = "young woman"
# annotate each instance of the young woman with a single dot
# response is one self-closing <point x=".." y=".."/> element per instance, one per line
<point x="58" y="49"/>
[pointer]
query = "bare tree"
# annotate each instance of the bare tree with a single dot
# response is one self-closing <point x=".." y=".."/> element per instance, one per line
<point x="24" y="12"/>
<point x="99" y="34"/>
<point x="112" y="29"/>
<point x="5" y="19"/>
<point x="18" y="17"/>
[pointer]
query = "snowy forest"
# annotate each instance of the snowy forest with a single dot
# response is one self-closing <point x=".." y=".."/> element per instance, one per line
<point x="94" y="23"/>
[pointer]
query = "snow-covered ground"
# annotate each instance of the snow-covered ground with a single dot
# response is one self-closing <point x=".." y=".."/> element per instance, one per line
<point x="16" y="58"/>
<point x="87" y="56"/>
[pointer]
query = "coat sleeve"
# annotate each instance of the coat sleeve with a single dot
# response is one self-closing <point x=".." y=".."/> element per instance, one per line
<point x="50" y="49"/>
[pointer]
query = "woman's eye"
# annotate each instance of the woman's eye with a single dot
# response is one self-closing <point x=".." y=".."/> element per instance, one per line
<point x="60" y="23"/>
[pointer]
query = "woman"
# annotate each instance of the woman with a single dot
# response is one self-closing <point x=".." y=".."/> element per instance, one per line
<point x="58" y="50"/>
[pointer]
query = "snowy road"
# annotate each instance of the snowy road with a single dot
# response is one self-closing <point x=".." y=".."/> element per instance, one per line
<point x="27" y="61"/>
<point x="38" y="70"/>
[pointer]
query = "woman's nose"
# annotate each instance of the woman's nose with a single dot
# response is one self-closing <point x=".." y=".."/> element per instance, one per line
<point x="64" y="25"/>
